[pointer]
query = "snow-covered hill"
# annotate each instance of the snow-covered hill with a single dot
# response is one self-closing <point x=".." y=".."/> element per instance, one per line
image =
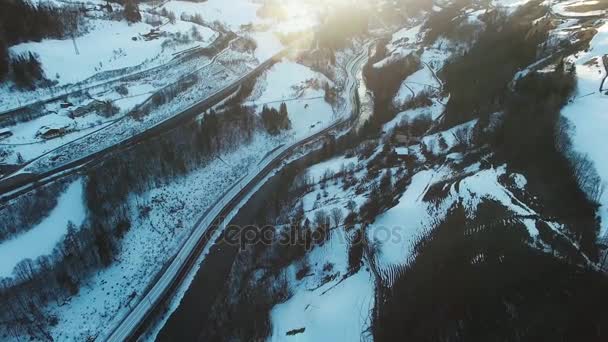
<point x="460" y="198"/>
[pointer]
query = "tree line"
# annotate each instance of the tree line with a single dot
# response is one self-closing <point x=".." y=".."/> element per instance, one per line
<point x="274" y="120"/>
<point x="22" y="21"/>
<point x="533" y="137"/>
<point x="487" y="284"/>
<point x="108" y="185"/>
<point x="23" y="212"/>
<point x="478" y="79"/>
<point x="384" y="81"/>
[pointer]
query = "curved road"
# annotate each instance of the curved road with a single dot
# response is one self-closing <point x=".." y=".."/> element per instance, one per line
<point x="179" y="267"/>
<point x="18" y="183"/>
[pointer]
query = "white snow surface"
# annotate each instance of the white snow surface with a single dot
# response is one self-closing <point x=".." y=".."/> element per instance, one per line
<point x="268" y="45"/>
<point x="589" y="111"/>
<point x="302" y="90"/>
<point x="107" y="46"/>
<point x="41" y="239"/>
<point x="396" y="229"/>
<point x="341" y="314"/>
<point x="234" y="13"/>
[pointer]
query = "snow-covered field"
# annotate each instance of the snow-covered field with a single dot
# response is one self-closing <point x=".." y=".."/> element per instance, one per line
<point x="332" y="312"/>
<point x="100" y="69"/>
<point x="330" y="303"/>
<point x="129" y="51"/>
<point x="70" y="62"/>
<point x="589" y="109"/>
<point x="41" y="239"/>
<point x="327" y="303"/>
<point x="65" y="63"/>
<point x="302" y="91"/>
<point x="233" y="14"/>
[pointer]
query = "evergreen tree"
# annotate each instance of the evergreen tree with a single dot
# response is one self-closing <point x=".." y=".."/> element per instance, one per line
<point x="21" y="21"/>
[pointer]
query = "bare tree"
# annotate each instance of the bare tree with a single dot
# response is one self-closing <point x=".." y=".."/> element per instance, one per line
<point x="321" y="218"/>
<point x="336" y="215"/>
<point x="462" y="136"/>
<point x="587" y="177"/>
<point x="351" y="205"/>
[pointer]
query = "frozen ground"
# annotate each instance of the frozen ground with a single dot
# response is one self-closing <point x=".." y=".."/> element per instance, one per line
<point x="332" y="312"/>
<point x="233" y="14"/>
<point x="302" y="91"/>
<point x="268" y="45"/>
<point x="41" y="239"/>
<point x="589" y="110"/>
<point x="63" y="63"/>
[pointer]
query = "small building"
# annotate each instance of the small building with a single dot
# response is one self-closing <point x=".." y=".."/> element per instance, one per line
<point x="5" y="133"/>
<point x="46" y="132"/>
<point x="402" y="151"/>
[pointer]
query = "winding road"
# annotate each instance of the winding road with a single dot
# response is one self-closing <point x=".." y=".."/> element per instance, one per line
<point x="134" y="323"/>
<point x="21" y="182"/>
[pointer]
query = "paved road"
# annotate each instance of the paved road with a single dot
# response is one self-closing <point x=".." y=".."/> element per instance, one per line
<point x="19" y="183"/>
<point x="172" y="276"/>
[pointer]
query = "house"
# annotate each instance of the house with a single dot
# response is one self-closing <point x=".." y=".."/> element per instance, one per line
<point x="5" y="133"/>
<point x="46" y="132"/>
<point x="402" y="151"/>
